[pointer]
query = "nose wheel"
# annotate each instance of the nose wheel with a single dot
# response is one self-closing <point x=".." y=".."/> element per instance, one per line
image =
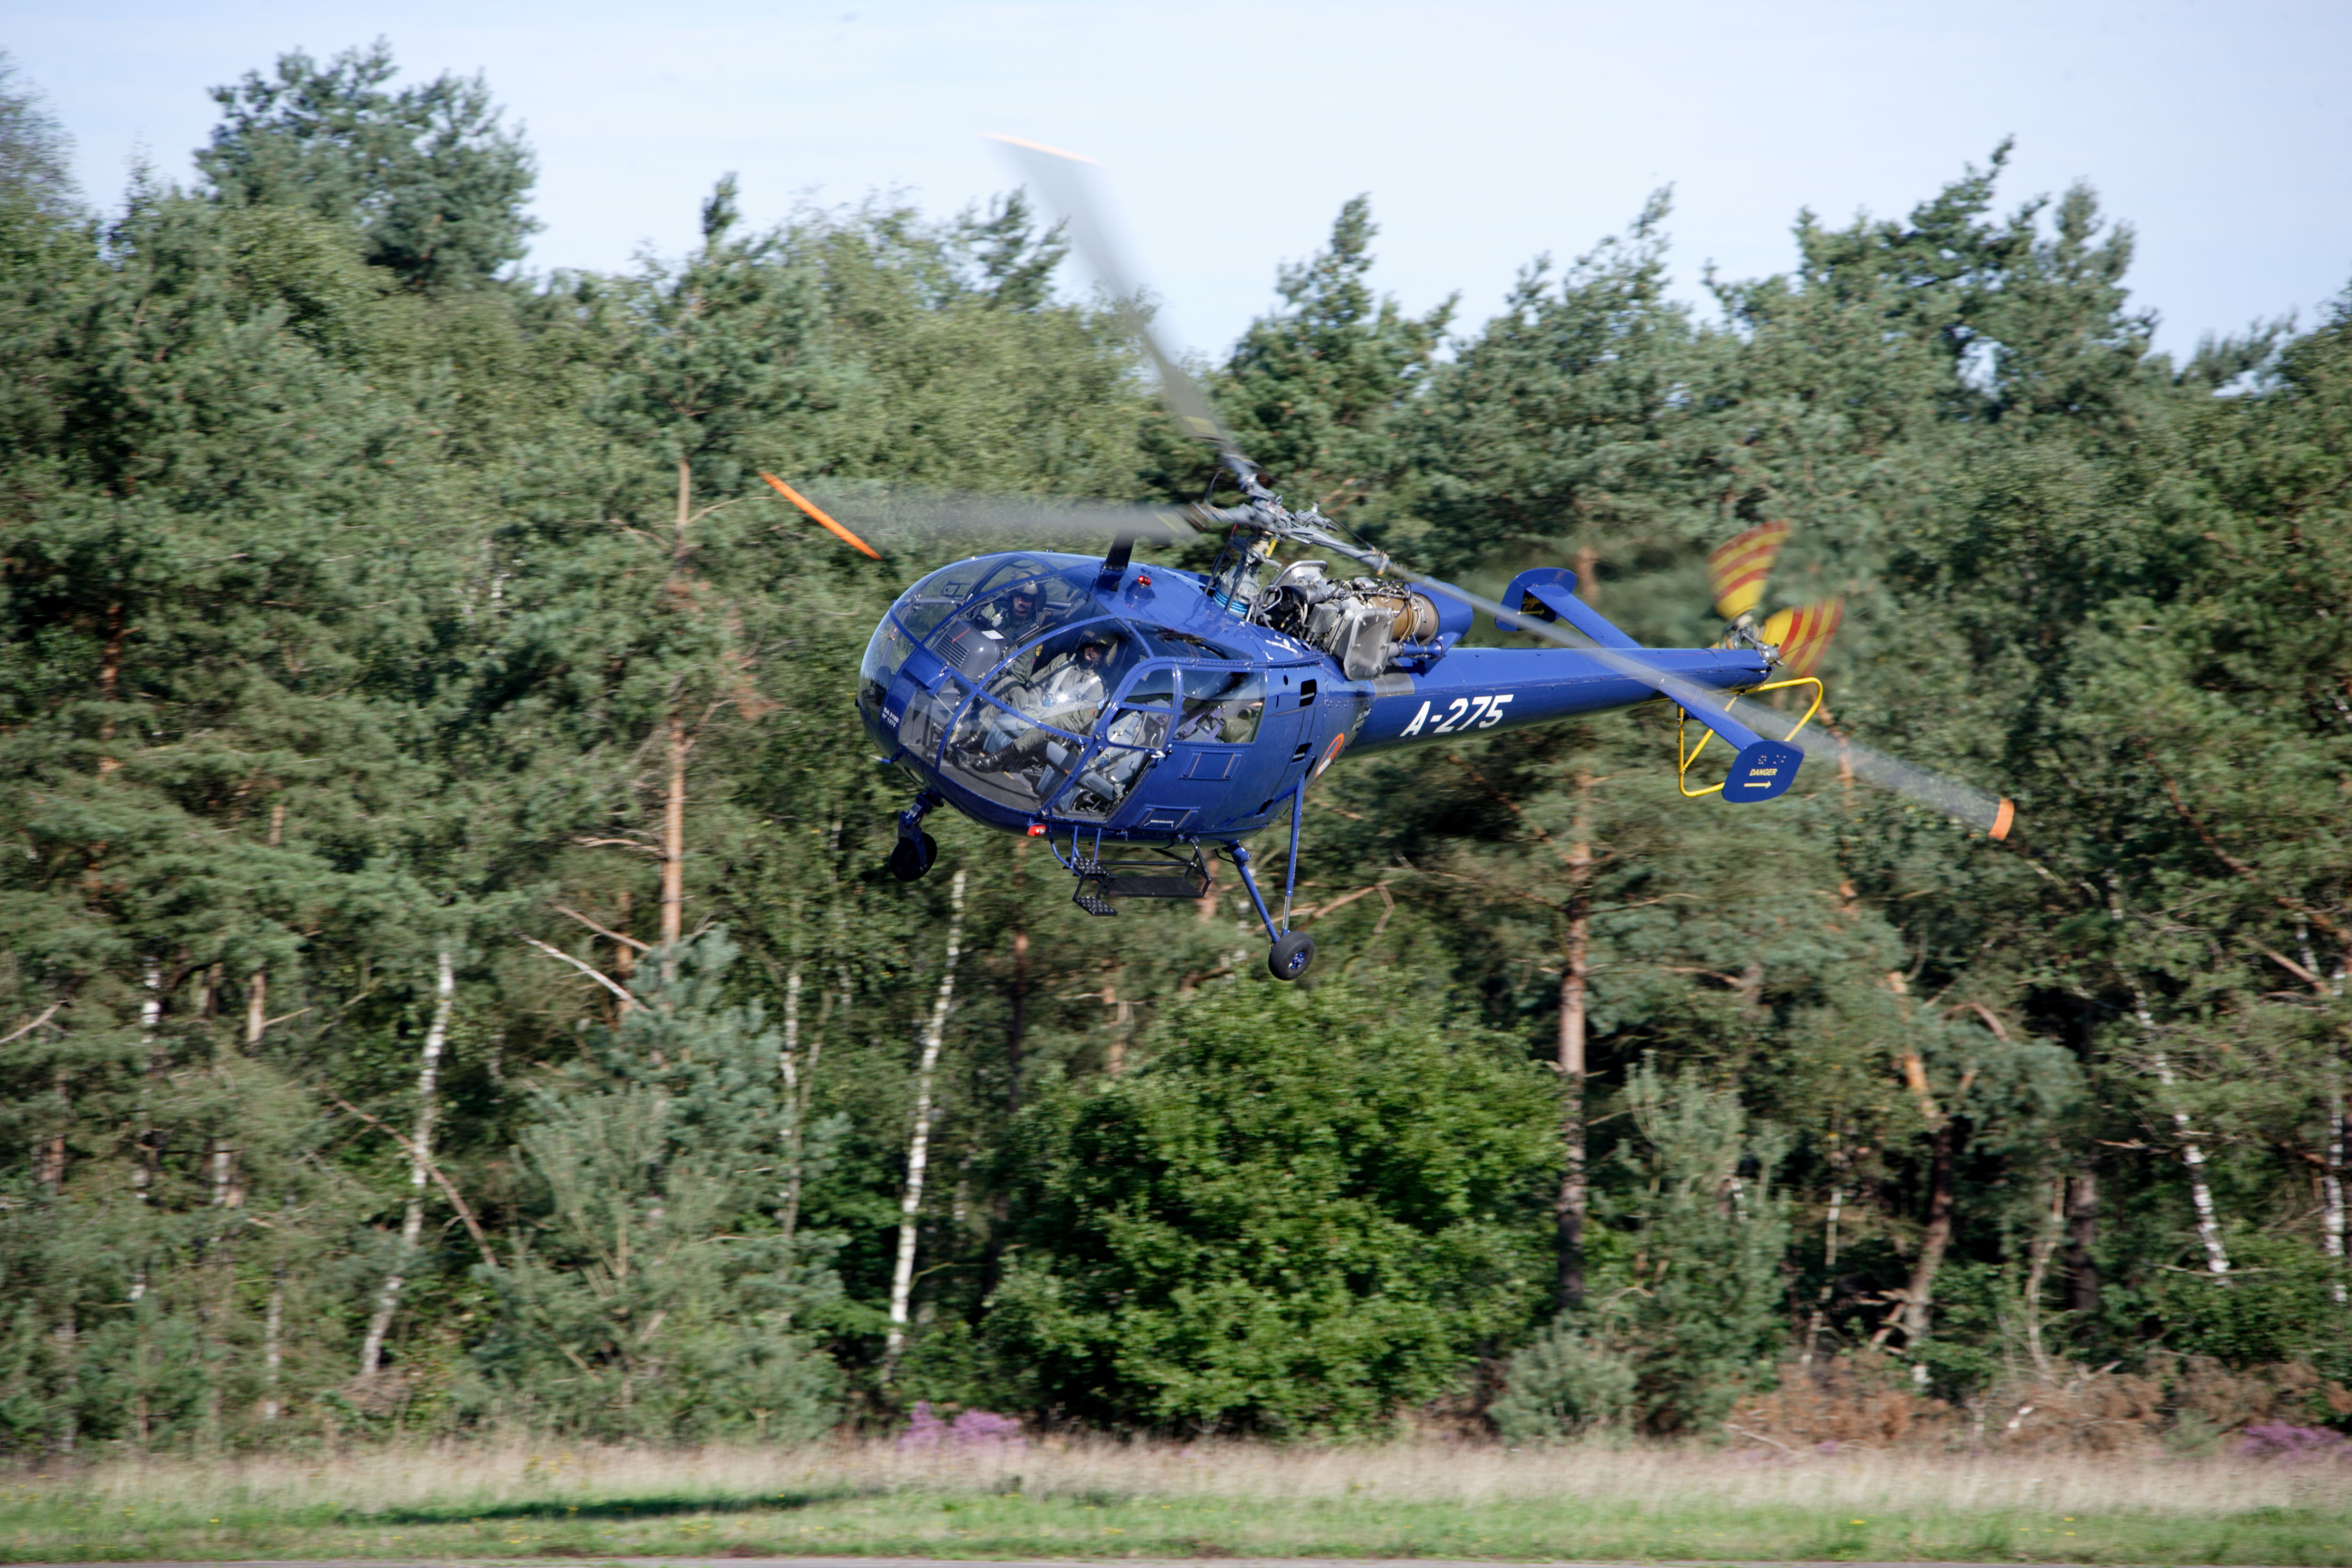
<point x="916" y="851"/>
<point x="913" y="855"/>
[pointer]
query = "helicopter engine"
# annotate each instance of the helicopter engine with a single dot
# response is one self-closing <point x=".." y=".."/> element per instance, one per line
<point x="1367" y="624"/>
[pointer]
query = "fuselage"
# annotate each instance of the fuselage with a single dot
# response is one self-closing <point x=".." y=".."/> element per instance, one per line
<point x="1041" y="692"/>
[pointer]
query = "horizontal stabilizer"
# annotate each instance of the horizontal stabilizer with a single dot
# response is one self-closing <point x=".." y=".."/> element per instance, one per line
<point x="1548" y="593"/>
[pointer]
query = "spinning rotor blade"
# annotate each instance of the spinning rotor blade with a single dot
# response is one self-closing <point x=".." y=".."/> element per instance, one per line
<point x="818" y="517"/>
<point x="1062" y="179"/>
<point x="1802" y="635"/>
<point x="900" y="513"/>
<point x="1738" y="567"/>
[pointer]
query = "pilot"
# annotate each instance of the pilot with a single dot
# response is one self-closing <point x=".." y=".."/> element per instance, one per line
<point x="1020" y="615"/>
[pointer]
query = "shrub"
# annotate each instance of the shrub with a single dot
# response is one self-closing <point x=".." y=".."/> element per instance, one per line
<point x="2295" y="1445"/>
<point x="973" y="1429"/>
<point x="1563" y="1386"/>
<point x="1306" y="1212"/>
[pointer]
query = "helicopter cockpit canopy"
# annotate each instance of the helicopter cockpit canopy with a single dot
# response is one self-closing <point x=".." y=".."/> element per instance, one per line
<point x="1033" y="697"/>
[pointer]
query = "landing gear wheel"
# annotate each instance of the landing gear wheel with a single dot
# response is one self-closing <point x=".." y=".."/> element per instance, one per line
<point x="1291" y="955"/>
<point x="909" y="859"/>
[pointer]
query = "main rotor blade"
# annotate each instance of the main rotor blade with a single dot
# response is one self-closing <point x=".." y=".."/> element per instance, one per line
<point x="1980" y="809"/>
<point x="904" y="513"/>
<point x="1061" y="179"/>
<point x="816" y="515"/>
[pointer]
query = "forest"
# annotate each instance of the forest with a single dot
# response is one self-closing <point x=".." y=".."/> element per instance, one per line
<point x="451" y="985"/>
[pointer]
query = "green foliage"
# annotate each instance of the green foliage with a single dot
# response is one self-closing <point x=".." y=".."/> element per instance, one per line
<point x="1565" y="1385"/>
<point x="656" y="1301"/>
<point x="1313" y="389"/>
<point x="33" y="149"/>
<point x="1304" y="1212"/>
<point x="2278" y="1305"/>
<point x="357" y="606"/>
<point x="1700" y="1313"/>
<point x="426" y="175"/>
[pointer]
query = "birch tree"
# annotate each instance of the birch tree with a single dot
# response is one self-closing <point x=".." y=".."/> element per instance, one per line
<point x="918" y="1139"/>
<point x="419" y="1144"/>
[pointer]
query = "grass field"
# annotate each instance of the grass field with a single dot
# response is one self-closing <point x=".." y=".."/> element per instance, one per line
<point x="1166" y="1500"/>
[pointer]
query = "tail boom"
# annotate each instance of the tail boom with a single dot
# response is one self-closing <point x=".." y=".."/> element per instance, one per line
<point x="1488" y="688"/>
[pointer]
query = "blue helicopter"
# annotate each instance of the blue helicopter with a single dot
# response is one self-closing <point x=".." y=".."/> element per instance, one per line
<point x="1146" y="720"/>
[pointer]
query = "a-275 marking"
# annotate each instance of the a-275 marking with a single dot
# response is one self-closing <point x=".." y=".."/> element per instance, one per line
<point x="1463" y="713"/>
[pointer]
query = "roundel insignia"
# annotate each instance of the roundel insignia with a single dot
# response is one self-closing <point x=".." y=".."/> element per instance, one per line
<point x="1330" y="754"/>
<point x="1762" y="771"/>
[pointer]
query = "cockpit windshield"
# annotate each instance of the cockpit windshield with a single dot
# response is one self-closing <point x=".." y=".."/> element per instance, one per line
<point x="1223" y="706"/>
<point x="1026" y="733"/>
<point x="1003" y="621"/>
<point x="1048" y="706"/>
<point x="1005" y="600"/>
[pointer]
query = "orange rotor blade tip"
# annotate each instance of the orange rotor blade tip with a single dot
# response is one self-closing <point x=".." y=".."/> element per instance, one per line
<point x="2001" y="820"/>
<point x="822" y="521"/>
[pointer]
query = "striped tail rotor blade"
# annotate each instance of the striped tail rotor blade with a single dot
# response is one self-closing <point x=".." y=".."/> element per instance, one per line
<point x="1738" y="566"/>
<point x="1803" y="634"/>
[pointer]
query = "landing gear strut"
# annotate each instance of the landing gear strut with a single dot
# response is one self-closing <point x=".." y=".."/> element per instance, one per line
<point x="916" y="851"/>
<point x="1293" y="952"/>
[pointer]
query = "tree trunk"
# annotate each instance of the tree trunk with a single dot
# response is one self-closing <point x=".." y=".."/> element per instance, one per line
<point x="2192" y="1151"/>
<point x="67" y="1335"/>
<point x="673" y="854"/>
<point x="1588" y="574"/>
<point x="2331" y="1185"/>
<point x="1017" y="1032"/>
<point x="2192" y="1156"/>
<point x="226" y="1193"/>
<point x="420" y="1158"/>
<point x="51" y="1175"/>
<point x="1569" y="1209"/>
<point x="800" y="1086"/>
<point x="1017" y="1029"/>
<point x="1122" y="1018"/>
<point x="273" y="1344"/>
<point x="1829" y="1248"/>
<point x="1919" y="1300"/>
<point x="673" y="862"/>
<point x="2037" y="1253"/>
<point x="109" y="683"/>
<point x="918" y="1143"/>
<point x="624" y="957"/>
<point x="257" y="990"/>
<point x="788" y="1063"/>
<point x="2082" y="1238"/>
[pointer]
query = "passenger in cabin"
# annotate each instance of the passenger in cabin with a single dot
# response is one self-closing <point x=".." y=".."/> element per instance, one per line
<point x="1066" y="692"/>
<point x="1071" y="693"/>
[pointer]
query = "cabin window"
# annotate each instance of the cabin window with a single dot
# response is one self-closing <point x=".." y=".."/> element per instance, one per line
<point x="1223" y="706"/>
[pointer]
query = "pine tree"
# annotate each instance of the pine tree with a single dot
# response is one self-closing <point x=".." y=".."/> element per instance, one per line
<point x="1312" y="389"/>
<point x="426" y="173"/>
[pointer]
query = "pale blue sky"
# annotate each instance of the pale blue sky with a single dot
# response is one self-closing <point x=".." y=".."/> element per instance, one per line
<point x="1230" y="132"/>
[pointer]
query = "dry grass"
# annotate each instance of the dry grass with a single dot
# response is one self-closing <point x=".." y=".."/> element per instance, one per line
<point x="1106" y="1499"/>
<point x="1652" y="1476"/>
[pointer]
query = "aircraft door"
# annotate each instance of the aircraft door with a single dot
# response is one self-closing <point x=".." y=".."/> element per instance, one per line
<point x="1131" y="737"/>
<point x="1285" y="746"/>
<point x="1219" y="713"/>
